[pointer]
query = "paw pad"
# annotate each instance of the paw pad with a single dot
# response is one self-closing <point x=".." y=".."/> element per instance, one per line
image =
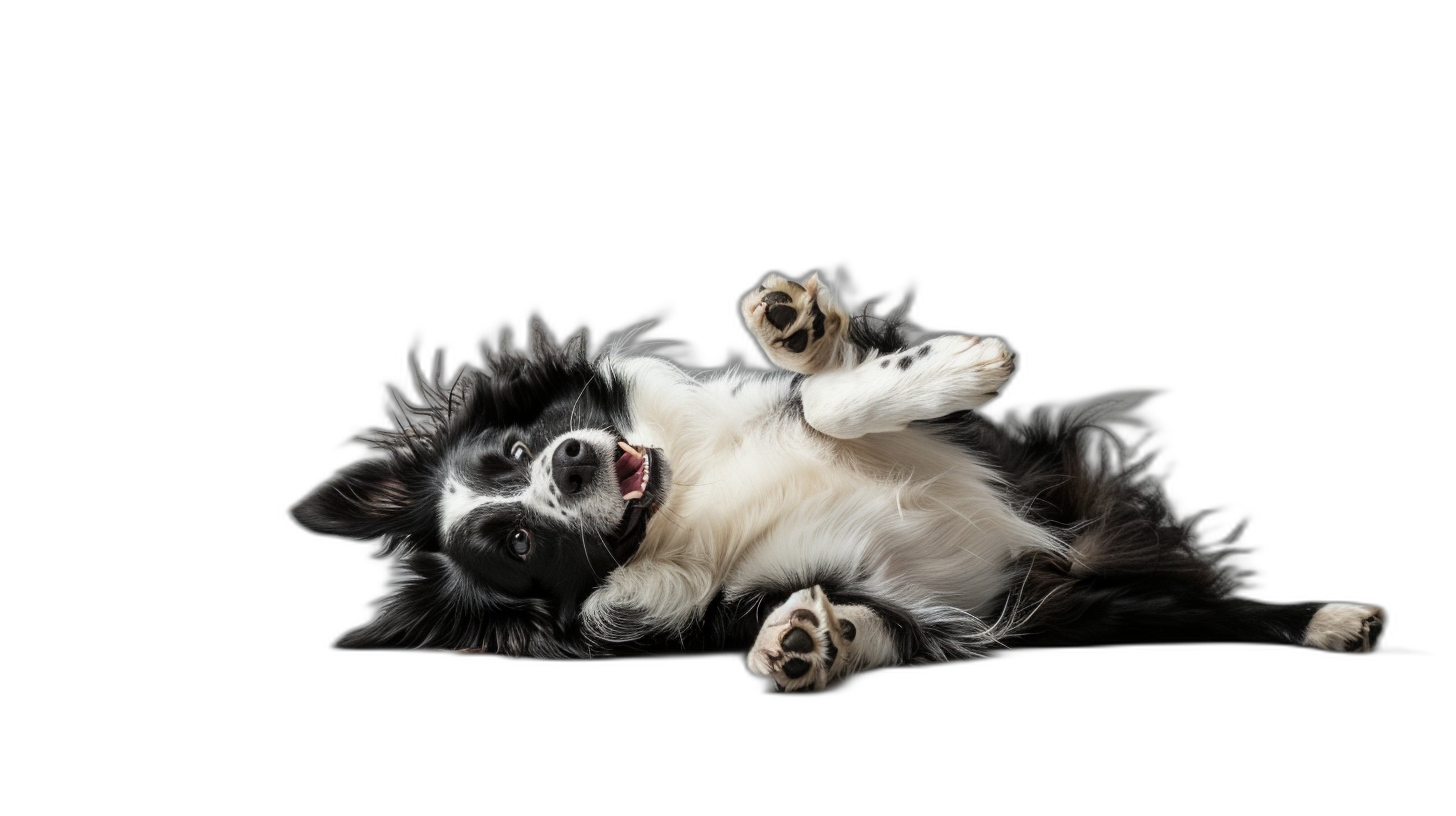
<point x="797" y="640"/>
<point x="799" y="644"/>
<point x="798" y="325"/>
<point x="796" y="667"/>
<point x="778" y="314"/>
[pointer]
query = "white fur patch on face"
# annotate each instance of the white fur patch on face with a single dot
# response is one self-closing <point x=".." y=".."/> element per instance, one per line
<point x="457" y="500"/>
<point x="600" y="504"/>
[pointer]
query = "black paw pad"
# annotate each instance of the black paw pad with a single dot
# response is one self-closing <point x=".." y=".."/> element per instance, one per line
<point x="797" y="640"/>
<point x="805" y="616"/>
<point x="780" y="315"/>
<point x="1368" y="637"/>
<point x="847" y="630"/>
<point x="796" y="667"/>
<point x="798" y="341"/>
<point x="775" y="297"/>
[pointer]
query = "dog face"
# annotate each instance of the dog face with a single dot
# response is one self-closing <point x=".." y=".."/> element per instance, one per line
<point x="509" y="494"/>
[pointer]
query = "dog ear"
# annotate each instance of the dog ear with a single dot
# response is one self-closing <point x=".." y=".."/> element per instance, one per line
<point x="432" y="609"/>
<point x="395" y="627"/>
<point x="366" y="500"/>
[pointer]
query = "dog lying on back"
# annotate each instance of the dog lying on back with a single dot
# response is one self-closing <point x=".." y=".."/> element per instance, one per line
<point x="846" y="512"/>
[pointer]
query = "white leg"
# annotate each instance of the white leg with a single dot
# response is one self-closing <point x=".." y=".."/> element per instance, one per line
<point x="882" y="394"/>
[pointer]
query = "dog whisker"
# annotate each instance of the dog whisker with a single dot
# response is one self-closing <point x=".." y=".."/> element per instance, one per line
<point x="572" y="415"/>
<point x="582" y="535"/>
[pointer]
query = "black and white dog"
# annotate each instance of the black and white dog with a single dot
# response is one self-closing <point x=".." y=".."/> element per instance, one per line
<point x="847" y="513"/>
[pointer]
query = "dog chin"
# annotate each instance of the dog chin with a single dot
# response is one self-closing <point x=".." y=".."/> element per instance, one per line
<point x="643" y="478"/>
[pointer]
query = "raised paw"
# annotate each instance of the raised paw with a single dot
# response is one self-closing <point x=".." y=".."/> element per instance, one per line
<point x="800" y="643"/>
<point x="970" y="369"/>
<point x="1342" y="627"/>
<point x="798" y="324"/>
<point x="884" y="394"/>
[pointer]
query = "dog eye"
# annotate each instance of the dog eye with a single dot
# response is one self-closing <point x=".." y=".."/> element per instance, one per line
<point x="520" y="452"/>
<point x="520" y="542"/>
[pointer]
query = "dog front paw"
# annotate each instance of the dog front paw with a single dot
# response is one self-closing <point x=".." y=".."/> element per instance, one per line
<point x="799" y="325"/>
<point x="800" y="643"/>
<point x="971" y="370"/>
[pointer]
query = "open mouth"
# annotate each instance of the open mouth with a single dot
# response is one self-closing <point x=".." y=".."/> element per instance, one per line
<point x="634" y="471"/>
<point x="634" y="479"/>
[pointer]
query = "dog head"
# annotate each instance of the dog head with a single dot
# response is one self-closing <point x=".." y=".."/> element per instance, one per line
<point x="508" y="494"/>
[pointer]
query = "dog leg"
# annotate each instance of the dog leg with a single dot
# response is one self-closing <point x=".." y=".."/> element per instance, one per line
<point x="1162" y="616"/>
<point x="940" y="376"/>
<point x="799" y="326"/>
<point x="807" y="642"/>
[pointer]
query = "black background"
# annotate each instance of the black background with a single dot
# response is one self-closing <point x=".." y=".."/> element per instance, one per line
<point x="1244" y="280"/>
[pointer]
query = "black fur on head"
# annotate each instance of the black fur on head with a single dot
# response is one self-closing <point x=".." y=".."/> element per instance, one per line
<point x="467" y="589"/>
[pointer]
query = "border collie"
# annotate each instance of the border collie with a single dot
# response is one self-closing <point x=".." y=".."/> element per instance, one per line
<point x="847" y="511"/>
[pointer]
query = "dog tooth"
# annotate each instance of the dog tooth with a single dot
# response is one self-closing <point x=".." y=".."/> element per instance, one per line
<point x="622" y="443"/>
<point x="636" y="494"/>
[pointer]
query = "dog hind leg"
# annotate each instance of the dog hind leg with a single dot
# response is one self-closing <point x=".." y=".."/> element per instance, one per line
<point x="1107" y="612"/>
<point x="1336" y="627"/>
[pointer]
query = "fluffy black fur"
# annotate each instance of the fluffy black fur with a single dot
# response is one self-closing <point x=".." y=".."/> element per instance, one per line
<point x="1133" y="572"/>
<point x="444" y="598"/>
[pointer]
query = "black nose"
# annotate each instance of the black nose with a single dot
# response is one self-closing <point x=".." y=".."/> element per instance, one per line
<point x="573" y="466"/>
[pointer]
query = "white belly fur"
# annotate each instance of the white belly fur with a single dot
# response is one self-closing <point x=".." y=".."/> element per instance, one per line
<point x="759" y="498"/>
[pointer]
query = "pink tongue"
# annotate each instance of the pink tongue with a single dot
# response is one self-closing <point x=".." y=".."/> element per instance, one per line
<point x="629" y="472"/>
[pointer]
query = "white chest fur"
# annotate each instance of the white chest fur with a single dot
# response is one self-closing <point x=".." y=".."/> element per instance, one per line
<point x="760" y="499"/>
